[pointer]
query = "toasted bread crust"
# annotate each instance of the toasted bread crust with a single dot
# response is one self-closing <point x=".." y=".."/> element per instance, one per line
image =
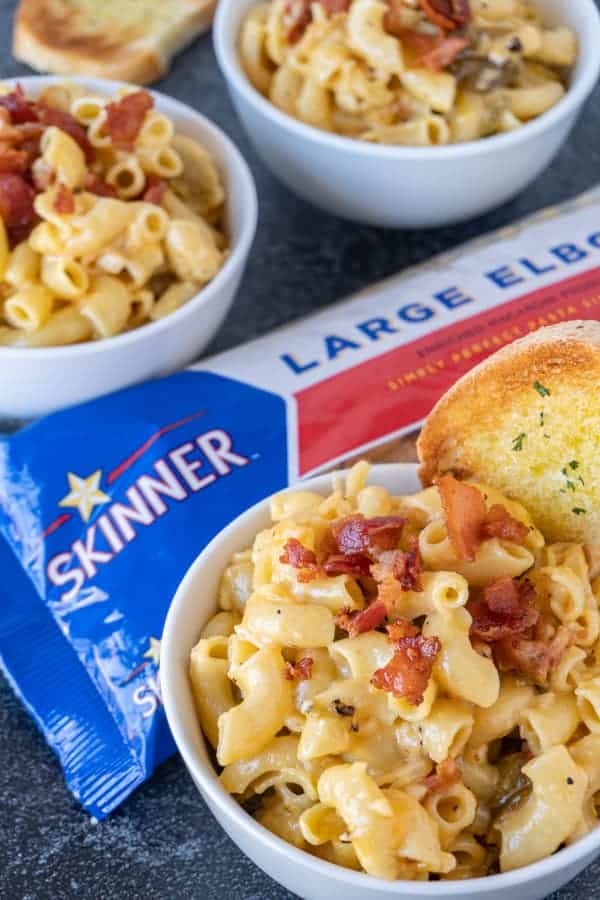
<point x="48" y="35"/>
<point x="495" y="395"/>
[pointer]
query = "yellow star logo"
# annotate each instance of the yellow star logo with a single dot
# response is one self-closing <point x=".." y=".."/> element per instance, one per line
<point x="85" y="493"/>
<point x="153" y="651"/>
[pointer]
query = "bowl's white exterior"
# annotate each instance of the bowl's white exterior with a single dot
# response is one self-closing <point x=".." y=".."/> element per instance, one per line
<point x="36" y="381"/>
<point x="404" y="186"/>
<point x="310" y="878"/>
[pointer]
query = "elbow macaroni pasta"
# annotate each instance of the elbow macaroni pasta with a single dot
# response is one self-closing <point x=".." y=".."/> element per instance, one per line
<point x="339" y="767"/>
<point x="393" y="76"/>
<point x="117" y="238"/>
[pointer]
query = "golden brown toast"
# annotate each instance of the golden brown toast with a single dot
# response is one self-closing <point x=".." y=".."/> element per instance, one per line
<point x="527" y="421"/>
<point x="126" y="40"/>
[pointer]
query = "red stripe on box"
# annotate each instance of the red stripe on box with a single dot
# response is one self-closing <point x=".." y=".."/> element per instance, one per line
<point x="398" y="389"/>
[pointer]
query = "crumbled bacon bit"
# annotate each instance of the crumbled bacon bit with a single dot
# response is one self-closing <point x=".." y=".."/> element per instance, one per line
<point x="16" y="206"/>
<point x="154" y="191"/>
<point x="299" y="671"/>
<point x="505" y="610"/>
<point x="356" y="564"/>
<point x="300" y="557"/>
<point x="49" y="115"/>
<point x="434" y="51"/>
<point x="405" y="566"/>
<point x="469" y="523"/>
<point x="126" y="116"/>
<point x="332" y="7"/>
<point x="447" y="14"/>
<point x="13" y="160"/>
<point x="357" y="622"/>
<point x="444" y="54"/>
<point x="465" y="511"/>
<point x="499" y="523"/>
<point x="400" y="629"/>
<point x="64" y="201"/>
<point x="20" y="109"/>
<point x="357" y="534"/>
<point x="535" y="657"/>
<point x="445" y="776"/>
<point x="409" y="670"/>
<point x="394" y="20"/>
<point x="96" y="185"/>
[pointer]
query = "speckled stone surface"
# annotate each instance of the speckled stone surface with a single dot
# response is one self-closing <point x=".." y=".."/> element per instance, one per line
<point x="163" y="843"/>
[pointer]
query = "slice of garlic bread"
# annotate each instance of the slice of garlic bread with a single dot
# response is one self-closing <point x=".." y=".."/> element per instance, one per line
<point x="126" y="40"/>
<point x="527" y="421"/>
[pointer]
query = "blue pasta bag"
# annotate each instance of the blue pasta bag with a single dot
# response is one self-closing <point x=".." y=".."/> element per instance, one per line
<point x="102" y="508"/>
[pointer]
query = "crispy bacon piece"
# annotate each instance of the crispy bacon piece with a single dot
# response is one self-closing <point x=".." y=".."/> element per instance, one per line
<point x="464" y="511"/>
<point x="447" y="14"/>
<point x="299" y="671"/>
<point x="298" y="16"/>
<point x="405" y="566"/>
<point x="125" y="117"/>
<point x="536" y="656"/>
<point x="13" y="160"/>
<point x="64" y="201"/>
<point x="96" y="185"/>
<point x="400" y="629"/>
<point x="20" y="109"/>
<point x="444" y="54"/>
<point x="505" y="610"/>
<point x="434" y="51"/>
<point x="356" y="564"/>
<point x="499" y="523"/>
<point x="297" y="555"/>
<point x="49" y="115"/>
<point x="357" y="622"/>
<point x="446" y="774"/>
<point x="357" y="534"/>
<point x="16" y="205"/>
<point x="408" y="671"/>
<point x="468" y="522"/>
<point x="155" y="189"/>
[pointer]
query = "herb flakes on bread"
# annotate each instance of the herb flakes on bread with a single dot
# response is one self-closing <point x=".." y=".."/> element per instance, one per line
<point x="125" y="40"/>
<point x="527" y="422"/>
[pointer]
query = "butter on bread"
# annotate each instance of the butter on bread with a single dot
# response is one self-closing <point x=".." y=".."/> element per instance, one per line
<point x="125" y="40"/>
<point x="527" y="422"/>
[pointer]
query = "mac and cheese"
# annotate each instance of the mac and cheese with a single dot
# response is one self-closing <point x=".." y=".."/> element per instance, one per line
<point x="406" y="685"/>
<point x="108" y="219"/>
<point x="407" y="71"/>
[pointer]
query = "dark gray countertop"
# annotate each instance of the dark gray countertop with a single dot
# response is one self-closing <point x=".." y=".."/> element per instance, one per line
<point x="163" y="842"/>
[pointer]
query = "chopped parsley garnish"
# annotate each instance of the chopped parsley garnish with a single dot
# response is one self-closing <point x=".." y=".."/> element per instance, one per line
<point x="574" y="464"/>
<point x="579" y="511"/>
<point x="542" y="391"/>
<point x="517" y="443"/>
<point x="542" y="419"/>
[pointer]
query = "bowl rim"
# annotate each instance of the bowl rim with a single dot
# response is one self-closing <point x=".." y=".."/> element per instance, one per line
<point x="235" y="259"/>
<point x="582" y="86"/>
<point x="205" y="777"/>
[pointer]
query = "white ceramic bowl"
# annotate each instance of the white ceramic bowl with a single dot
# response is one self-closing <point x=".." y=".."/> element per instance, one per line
<point x="409" y="187"/>
<point x="36" y="381"/>
<point x="310" y="878"/>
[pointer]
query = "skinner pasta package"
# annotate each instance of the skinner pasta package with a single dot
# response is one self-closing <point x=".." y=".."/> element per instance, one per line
<point x="105" y="505"/>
